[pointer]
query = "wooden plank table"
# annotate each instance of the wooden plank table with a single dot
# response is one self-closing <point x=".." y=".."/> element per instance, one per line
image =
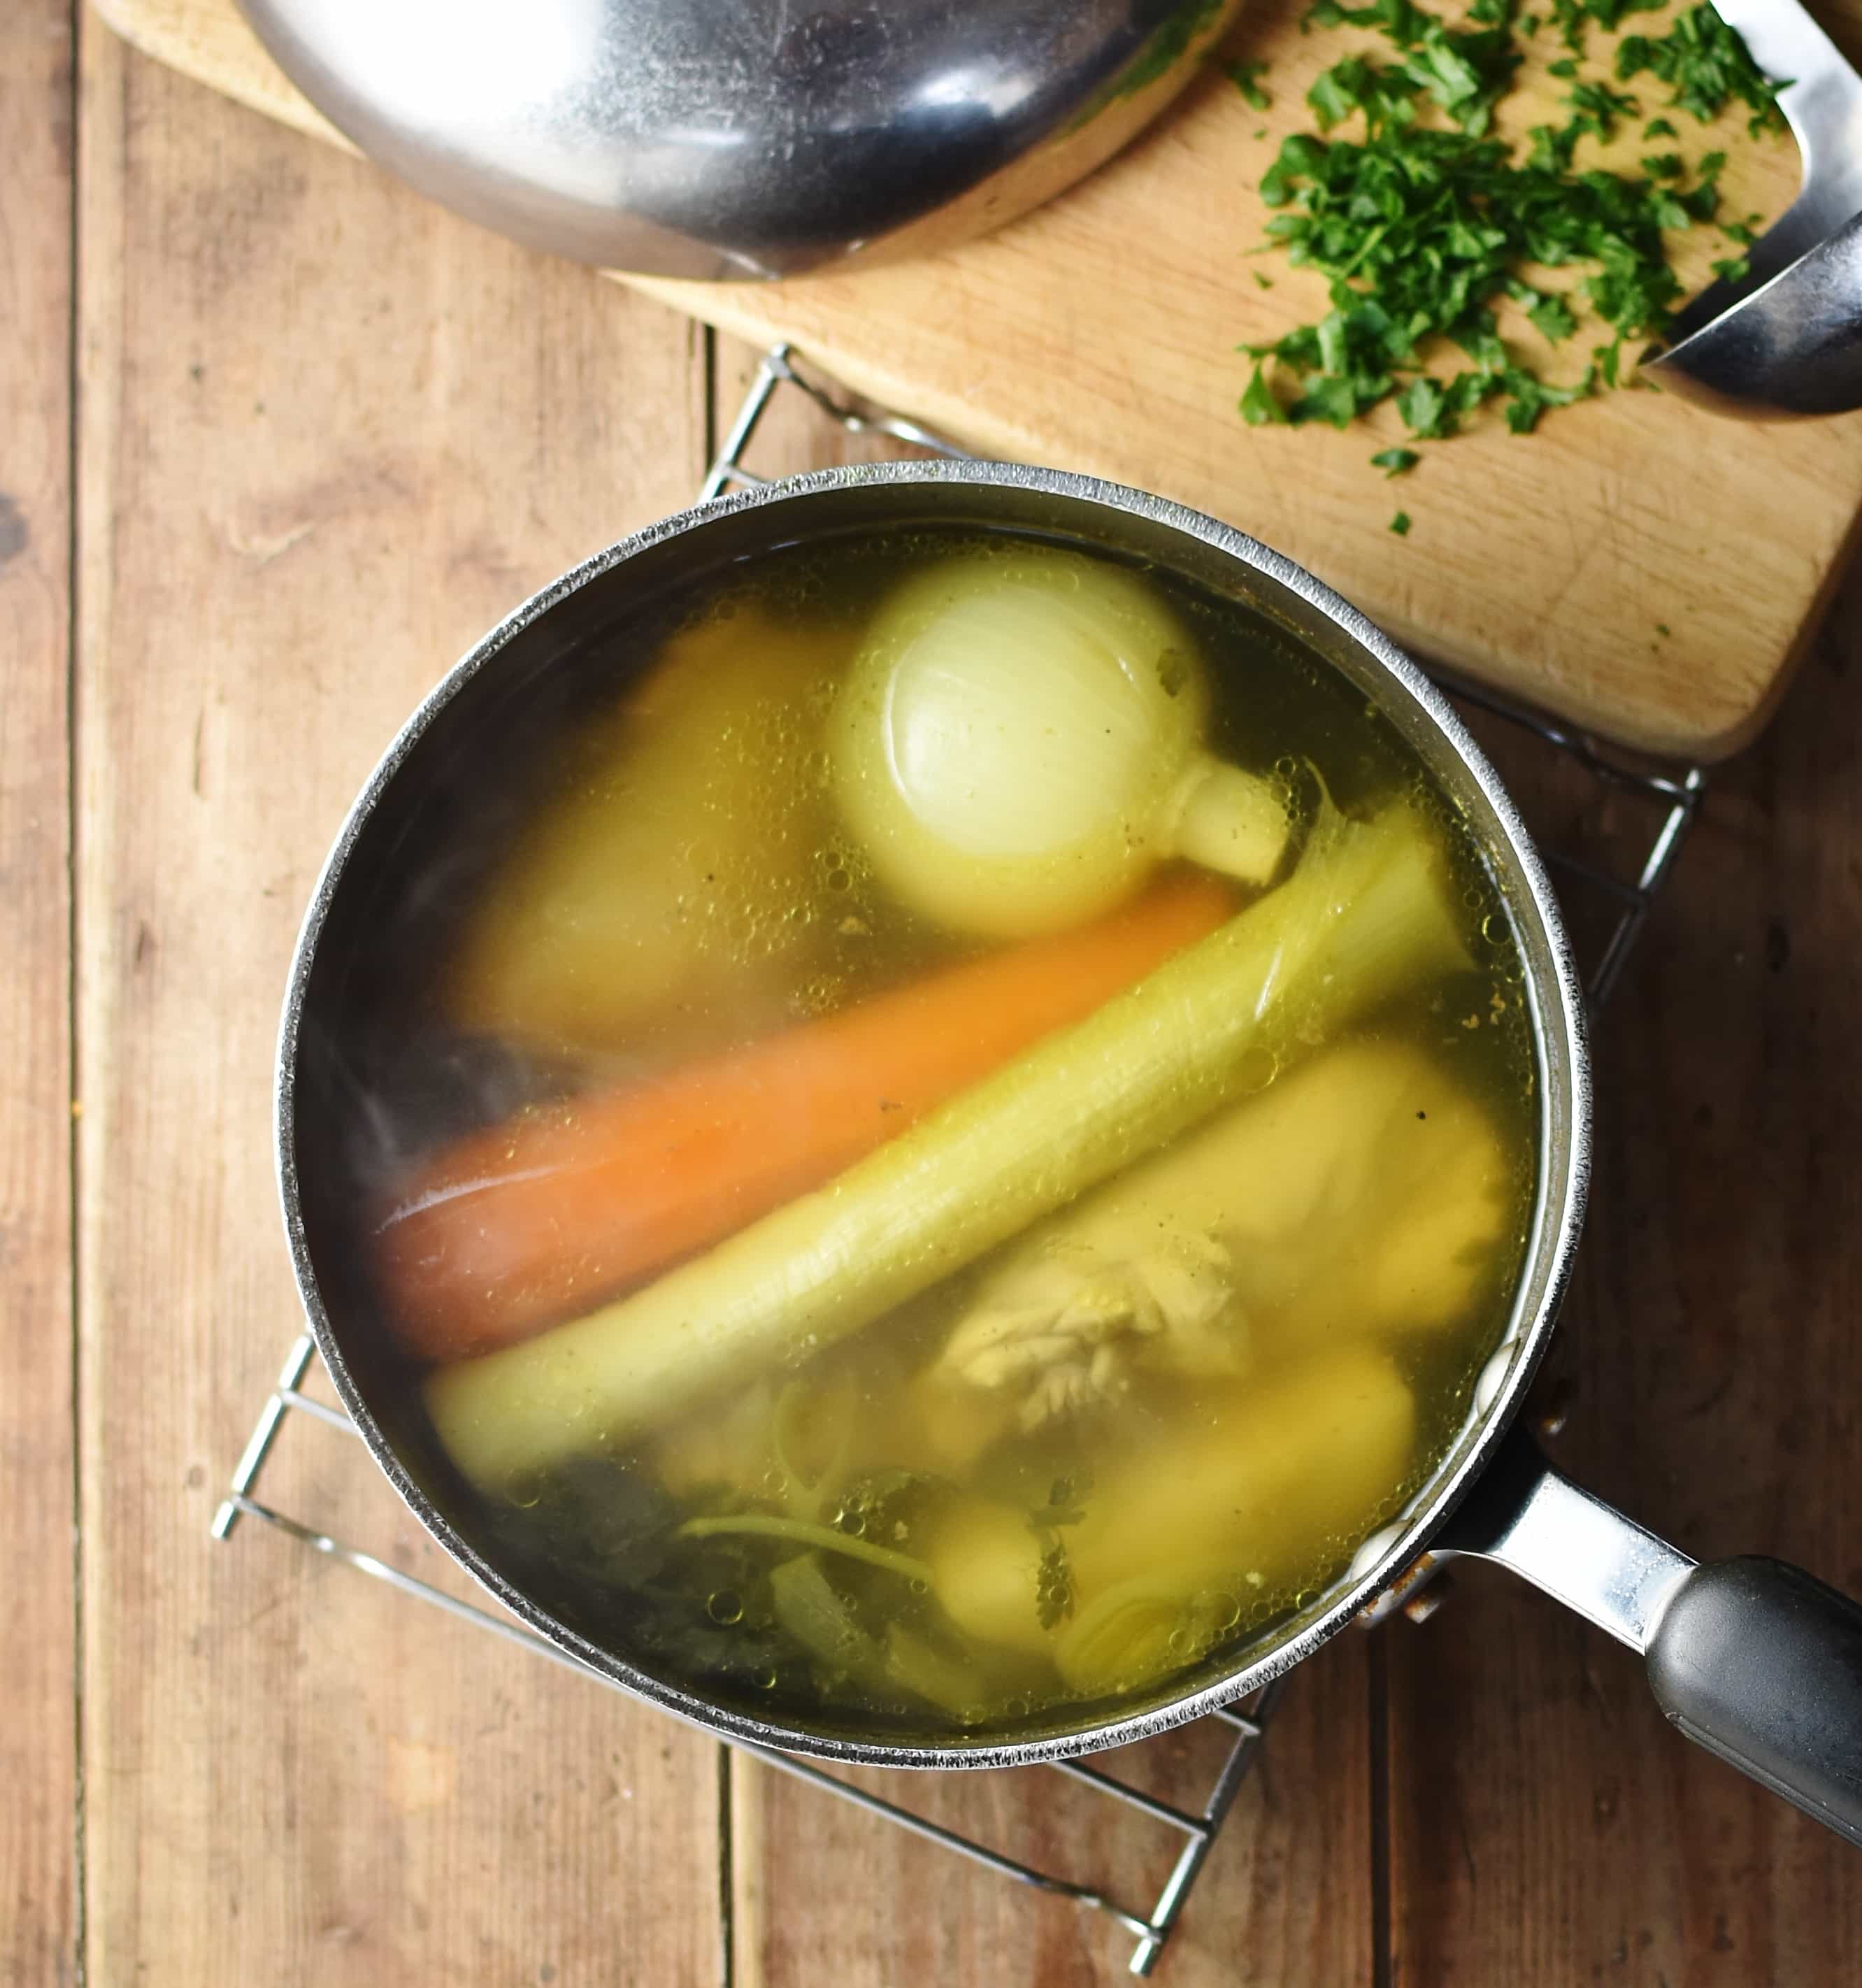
<point x="282" y="441"/>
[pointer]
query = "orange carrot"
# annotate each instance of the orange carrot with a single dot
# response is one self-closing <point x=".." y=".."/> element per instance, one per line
<point x="512" y="1228"/>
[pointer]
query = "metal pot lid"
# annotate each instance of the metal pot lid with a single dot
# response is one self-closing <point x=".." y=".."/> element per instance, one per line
<point x="715" y="138"/>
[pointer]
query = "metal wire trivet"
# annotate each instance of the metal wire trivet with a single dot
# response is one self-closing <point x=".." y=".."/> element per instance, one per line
<point x="1674" y="798"/>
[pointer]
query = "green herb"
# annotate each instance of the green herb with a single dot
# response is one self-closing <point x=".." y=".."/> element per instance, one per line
<point x="601" y="1546"/>
<point x="1245" y="77"/>
<point x="1705" y="62"/>
<point x="1395" y="461"/>
<point x="1422" y="230"/>
<point x="1659" y="127"/>
<point x="1423" y="405"/>
<point x="1465" y="71"/>
<point x="1734" y="269"/>
<point x="1552" y="148"/>
<point x="1054" y="1586"/>
<point x="1054" y="1581"/>
<point x="1575" y="17"/>
<point x="1261" y="405"/>
<point x="1598" y="107"/>
<point x="1551" y="317"/>
<point x="1404" y="23"/>
<point x="1062" y="1508"/>
<point x="1262" y="280"/>
<point x="870" y="1508"/>
<point x="1527" y="396"/>
<point x="1450" y="219"/>
<point x="1399" y="524"/>
<point x="1173" y="34"/>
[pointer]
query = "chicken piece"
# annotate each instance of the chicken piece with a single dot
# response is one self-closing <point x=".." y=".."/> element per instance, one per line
<point x="1365" y="1193"/>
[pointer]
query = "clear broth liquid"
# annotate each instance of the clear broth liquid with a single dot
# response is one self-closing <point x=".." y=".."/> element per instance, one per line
<point x="869" y="1539"/>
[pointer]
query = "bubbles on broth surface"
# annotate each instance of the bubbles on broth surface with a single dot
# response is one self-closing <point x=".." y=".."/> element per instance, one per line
<point x="1115" y="1446"/>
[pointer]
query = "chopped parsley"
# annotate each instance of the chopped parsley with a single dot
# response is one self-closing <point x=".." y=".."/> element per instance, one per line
<point x="1464" y="72"/>
<point x="1054" y="1587"/>
<point x="1054" y="1579"/>
<point x="1261" y="405"/>
<point x="1598" y="107"/>
<point x="1702" y="60"/>
<point x="1399" y="524"/>
<point x="1422" y="220"/>
<point x="1574" y="17"/>
<point x="1551" y="317"/>
<point x="1246" y="76"/>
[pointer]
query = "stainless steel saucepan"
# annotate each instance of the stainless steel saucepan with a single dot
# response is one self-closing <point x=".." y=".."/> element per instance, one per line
<point x="1751" y="1658"/>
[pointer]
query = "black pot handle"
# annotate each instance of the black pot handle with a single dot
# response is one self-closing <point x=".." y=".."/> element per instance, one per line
<point x="1753" y="1658"/>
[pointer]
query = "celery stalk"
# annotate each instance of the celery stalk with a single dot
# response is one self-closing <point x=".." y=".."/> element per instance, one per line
<point x="1363" y="915"/>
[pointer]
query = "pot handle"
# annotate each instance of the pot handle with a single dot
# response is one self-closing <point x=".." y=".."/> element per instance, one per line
<point x="1751" y="1658"/>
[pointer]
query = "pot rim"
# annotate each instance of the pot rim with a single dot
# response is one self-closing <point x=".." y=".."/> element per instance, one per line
<point x="1558" y="1028"/>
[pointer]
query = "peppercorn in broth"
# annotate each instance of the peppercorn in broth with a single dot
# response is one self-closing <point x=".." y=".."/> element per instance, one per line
<point x="1024" y="1135"/>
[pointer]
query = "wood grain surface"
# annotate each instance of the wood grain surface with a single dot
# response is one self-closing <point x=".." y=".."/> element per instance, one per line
<point x="324" y="435"/>
<point x="327" y="436"/>
<point x="37" y="1751"/>
<point x="1546" y="1825"/>
<point x="1647" y="568"/>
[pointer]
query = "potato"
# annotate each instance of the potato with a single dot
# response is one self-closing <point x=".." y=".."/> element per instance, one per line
<point x="1283" y="1478"/>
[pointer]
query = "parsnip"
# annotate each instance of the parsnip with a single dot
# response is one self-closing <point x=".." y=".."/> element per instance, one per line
<point x="1177" y="1539"/>
<point x="985" y="1559"/>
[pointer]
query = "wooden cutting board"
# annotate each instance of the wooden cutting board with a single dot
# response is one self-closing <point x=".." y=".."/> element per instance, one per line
<point x="1645" y="568"/>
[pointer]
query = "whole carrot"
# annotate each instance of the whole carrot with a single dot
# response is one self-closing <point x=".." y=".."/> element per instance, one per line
<point x="505" y="1232"/>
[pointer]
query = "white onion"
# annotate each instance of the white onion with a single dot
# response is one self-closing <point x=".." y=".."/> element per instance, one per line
<point x="1018" y="742"/>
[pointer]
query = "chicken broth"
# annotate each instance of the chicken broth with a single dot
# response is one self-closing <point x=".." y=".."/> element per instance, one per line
<point x="1014" y="1131"/>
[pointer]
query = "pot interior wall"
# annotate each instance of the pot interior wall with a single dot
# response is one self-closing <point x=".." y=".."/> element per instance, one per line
<point x="445" y="803"/>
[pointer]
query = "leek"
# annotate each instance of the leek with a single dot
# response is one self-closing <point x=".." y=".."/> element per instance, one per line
<point x="1364" y="915"/>
<point x="805" y="1533"/>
